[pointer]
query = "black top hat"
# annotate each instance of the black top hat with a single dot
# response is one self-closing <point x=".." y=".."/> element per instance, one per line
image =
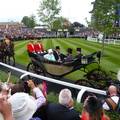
<point x="78" y="49"/>
<point x="69" y="50"/>
<point x="57" y="47"/>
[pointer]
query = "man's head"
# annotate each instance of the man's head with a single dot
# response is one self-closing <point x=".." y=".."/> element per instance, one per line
<point x="69" y="50"/>
<point x="78" y="50"/>
<point x="112" y="90"/>
<point x="65" y="97"/>
<point x="92" y="104"/>
<point x="57" y="48"/>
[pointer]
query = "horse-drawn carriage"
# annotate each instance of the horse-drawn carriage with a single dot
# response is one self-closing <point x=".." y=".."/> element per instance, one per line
<point x="95" y="78"/>
<point x="54" y="69"/>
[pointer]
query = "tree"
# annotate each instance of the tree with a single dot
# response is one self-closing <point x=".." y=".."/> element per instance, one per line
<point x="57" y="24"/>
<point x="29" y="21"/>
<point x="78" y="25"/>
<point x="61" y="23"/>
<point x="48" y="11"/>
<point x="32" y="21"/>
<point x="104" y="15"/>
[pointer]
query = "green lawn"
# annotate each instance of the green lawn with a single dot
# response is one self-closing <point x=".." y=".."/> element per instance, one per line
<point x="109" y="62"/>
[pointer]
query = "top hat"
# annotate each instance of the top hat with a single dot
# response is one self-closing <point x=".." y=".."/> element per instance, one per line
<point x="78" y="49"/>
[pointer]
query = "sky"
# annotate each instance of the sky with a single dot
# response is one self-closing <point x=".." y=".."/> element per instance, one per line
<point x="15" y="10"/>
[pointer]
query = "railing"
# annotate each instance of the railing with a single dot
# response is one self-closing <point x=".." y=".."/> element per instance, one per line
<point x="107" y="41"/>
<point x="82" y="89"/>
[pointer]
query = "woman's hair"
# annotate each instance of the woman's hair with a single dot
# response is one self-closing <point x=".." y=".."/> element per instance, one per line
<point x="65" y="96"/>
<point x="93" y="107"/>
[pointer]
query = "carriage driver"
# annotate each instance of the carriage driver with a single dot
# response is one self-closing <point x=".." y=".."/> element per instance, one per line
<point x="31" y="48"/>
<point x="38" y="47"/>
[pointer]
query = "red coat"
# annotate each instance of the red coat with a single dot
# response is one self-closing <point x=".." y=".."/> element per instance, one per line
<point x="30" y="48"/>
<point x="38" y="47"/>
<point x="85" y="116"/>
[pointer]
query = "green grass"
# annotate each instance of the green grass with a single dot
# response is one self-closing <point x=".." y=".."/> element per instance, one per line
<point x="109" y="62"/>
<point x="4" y="77"/>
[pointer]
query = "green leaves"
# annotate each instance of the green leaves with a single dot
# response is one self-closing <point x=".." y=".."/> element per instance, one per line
<point x="48" y="11"/>
<point x="29" y="21"/>
<point x="104" y="16"/>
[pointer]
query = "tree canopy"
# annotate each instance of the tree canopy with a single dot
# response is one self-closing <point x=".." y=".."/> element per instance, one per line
<point x="48" y="11"/>
<point x="29" y="21"/>
<point x="104" y="17"/>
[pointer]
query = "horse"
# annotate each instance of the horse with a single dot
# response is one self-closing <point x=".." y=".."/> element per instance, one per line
<point x="1" y="52"/>
<point x="8" y="47"/>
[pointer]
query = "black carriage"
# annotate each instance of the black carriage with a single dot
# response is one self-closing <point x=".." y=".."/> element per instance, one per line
<point x="96" y="78"/>
<point x="54" y="69"/>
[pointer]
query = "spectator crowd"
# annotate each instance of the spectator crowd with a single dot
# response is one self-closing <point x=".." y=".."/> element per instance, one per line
<point x="19" y="31"/>
<point x="26" y="101"/>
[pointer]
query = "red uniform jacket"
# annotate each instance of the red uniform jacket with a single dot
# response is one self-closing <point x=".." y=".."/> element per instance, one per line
<point x="30" y="48"/>
<point x="38" y="47"/>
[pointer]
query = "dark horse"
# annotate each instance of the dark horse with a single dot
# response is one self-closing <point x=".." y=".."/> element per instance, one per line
<point x="1" y="52"/>
<point x="8" y="51"/>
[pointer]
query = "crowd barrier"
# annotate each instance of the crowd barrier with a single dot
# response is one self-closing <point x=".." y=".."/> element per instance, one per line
<point x="82" y="89"/>
<point x="107" y="41"/>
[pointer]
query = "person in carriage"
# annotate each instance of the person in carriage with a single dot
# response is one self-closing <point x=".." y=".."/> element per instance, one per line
<point x="69" y="56"/>
<point x="79" y="54"/>
<point x="31" y="48"/>
<point x="50" y="55"/>
<point x="58" y="55"/>
<point x="38" y="47"/>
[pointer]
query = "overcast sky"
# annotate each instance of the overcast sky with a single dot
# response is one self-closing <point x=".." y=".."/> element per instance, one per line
<point x="74" y="10"/>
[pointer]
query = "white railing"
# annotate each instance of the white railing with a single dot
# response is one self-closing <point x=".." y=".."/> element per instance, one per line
<point x="107" y="41"/>
<point x="82" y="89"/>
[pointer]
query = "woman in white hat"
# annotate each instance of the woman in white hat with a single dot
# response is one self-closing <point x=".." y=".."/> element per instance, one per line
<point x="50" y="55"/>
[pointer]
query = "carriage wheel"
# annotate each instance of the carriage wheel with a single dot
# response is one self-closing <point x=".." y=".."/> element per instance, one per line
<point x="31" y="68"/>
<point x="35" y="69"/>
<point x="39" y="71"/>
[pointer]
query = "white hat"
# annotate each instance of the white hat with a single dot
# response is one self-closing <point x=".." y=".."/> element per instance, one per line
<point x="50" y="51"/>
<point x="23" y="106"/>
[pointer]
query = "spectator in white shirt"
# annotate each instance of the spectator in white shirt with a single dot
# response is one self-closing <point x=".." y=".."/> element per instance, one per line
<point x="112" y="101"/>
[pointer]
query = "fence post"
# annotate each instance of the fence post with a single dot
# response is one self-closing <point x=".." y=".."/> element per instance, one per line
<point x="80" y="94"/>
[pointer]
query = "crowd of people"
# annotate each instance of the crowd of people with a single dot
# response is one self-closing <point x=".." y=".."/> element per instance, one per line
<point x="19" y="103"/>
<point x="19" y="31"/>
